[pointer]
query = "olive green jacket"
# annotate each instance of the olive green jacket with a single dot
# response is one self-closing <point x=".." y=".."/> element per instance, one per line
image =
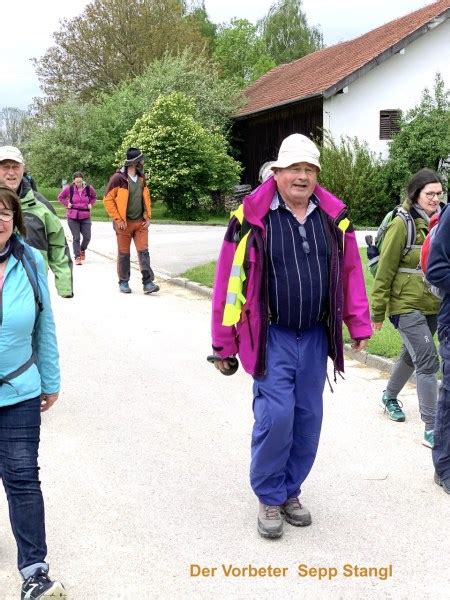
<point x="394" y="292"/>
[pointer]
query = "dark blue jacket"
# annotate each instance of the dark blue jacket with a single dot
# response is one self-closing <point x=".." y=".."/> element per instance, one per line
<point x="438" y="271"/>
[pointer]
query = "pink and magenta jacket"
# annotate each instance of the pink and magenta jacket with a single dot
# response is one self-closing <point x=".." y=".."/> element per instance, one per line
<point x="79" y="210"/>
<point x="347" y="302"/>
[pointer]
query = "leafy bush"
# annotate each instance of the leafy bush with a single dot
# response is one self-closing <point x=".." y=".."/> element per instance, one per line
<point x="185" y="161"/>
<point x="353" y="173"/>
<point x="75" y="136"/>
<point x="423" y="139"/>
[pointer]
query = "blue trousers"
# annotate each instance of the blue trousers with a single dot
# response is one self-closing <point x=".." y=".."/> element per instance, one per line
<point x="19" y="443"/>
<point x="441" y="449"/>
<point x="288" y="409"/>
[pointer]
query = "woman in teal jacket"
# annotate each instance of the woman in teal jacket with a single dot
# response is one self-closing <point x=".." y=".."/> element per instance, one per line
<point x="29" y="384"/>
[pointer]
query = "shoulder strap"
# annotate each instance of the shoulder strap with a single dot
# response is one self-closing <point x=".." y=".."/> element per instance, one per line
<point x="71" y="191"/>
<point x="410" y="228"/>
<point x="245" y="225"/>
<point x="88" y="191"/>
<point x="29" y="264"/>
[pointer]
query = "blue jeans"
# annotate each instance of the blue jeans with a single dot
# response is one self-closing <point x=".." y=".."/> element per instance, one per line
<point x="441" y="449"/>
<point x="288" y="410"/>
<point x="19" y="444"/>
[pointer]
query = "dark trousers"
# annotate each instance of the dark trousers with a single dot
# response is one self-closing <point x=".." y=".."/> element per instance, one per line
<point x="288" y="411"/>
<point x="80" y="229"/>
<point x="441" y="449"/>
<point x="19" y="444"/>
<point x="134" y="231"/>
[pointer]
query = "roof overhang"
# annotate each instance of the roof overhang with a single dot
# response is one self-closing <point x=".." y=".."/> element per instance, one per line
<point x="346" y="81"/>
<point x="278" y="105"/>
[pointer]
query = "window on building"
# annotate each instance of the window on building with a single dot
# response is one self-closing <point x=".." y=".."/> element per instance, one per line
<point x="389" y="123"/>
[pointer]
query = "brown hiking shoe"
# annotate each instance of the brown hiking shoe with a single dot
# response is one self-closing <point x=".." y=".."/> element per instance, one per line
<point x="295" y="513"/>
<point x="270" y="523"/>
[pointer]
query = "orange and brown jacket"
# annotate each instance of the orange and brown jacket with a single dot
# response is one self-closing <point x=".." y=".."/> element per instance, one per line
<point x="116" y="197"/>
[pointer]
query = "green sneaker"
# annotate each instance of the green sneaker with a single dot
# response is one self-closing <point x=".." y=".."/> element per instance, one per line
<point x="428" y="438"/>
<point x="393" y="408"/>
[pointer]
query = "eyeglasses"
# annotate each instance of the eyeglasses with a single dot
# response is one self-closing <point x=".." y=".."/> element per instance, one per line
<point x="305" y="244"/>
<point x="6" y="215"/>
<point x="431" y="195"/>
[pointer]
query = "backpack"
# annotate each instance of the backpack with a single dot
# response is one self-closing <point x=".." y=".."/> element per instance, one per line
<point x="87" y="187"/>
<point x="425" y="253"/>
<point x="29" y="264"/>
<point x="374" y="248"/>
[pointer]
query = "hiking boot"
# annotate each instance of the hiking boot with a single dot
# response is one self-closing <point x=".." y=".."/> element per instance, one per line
<point x="444" y="483"/>
<point x="83" y="255"/>
<point x="428" y="438"/>
<point x="40" y="585"/>
<point x="150" y="287"/>
<point x="78" y="260"/>
<point x="393" y="408"/>
<point x="270" y="524"/>
<point x="124" y="287"/>
<point x="295" y="513"/>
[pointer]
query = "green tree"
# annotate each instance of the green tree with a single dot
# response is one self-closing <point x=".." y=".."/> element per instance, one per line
<point x="241" y="54"/>
<point x="423" y="139"/>
<point x="352" y="172"/>
<point x="76" y="135"/>
<point x="113" y="41"/>
<point x="13" y="126"/>
<point x="286" y="32"/>
<point x="186" y="163"/>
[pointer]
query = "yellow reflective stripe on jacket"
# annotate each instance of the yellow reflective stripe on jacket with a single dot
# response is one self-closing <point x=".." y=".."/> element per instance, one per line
<point x="235" y="297"/>
<point x="343" y="225"/>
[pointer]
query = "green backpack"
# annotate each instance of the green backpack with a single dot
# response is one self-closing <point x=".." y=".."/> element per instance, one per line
<point x="374" y="248"/>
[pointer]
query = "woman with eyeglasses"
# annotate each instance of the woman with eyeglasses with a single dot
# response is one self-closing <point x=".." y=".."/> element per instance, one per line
<point x="401" y="292"/>
<point x="29" y="385"/>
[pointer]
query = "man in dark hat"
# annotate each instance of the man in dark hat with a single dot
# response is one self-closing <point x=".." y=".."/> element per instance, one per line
<point x="128" y="203"/>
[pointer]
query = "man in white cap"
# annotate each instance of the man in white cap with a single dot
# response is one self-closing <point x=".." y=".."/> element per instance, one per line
<point x="44" y="229"/>
<point x="281" y="293"/>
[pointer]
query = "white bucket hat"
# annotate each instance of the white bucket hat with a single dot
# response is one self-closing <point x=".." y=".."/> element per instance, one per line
<point x="294" y="149"/>
<point x="11" y="153"/>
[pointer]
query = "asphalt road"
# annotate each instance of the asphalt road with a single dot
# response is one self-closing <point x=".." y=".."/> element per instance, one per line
<point x="144" y="467"/>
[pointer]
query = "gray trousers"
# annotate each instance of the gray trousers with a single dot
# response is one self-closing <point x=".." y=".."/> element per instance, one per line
<point x="418" y="353"/>
<point x="80" y="229"/>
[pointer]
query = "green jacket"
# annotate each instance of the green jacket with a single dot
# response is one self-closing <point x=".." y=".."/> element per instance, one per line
<point x="46" y="234"/>
<point x="395" y="292"/>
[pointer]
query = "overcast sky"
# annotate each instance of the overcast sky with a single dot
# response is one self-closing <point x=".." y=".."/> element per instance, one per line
<point x="28" y="31"/>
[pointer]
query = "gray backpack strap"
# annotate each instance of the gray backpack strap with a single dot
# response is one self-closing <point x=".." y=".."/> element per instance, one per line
<point x="410" y="229"/>
<point x="26" y="365"/>
<point x="29" y="264"/>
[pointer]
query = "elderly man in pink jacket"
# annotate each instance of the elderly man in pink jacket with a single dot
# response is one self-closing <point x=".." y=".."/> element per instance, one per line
<point x="289" y="274"/>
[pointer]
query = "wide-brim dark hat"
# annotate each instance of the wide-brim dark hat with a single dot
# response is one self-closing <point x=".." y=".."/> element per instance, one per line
<point x="133" y="156"/>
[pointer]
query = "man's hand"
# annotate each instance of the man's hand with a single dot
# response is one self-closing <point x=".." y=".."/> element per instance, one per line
<point x="121" y="225"/>
<point x="47" y="401"/>
<point x="69" y="205"/>
<point x="145" y="224"/>
<point x="358" y="345"/>
<point x="222" y="365"/>
<point x="377" y="326"/>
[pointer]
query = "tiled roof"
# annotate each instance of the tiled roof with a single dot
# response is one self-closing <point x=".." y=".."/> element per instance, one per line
<point x="320" y="71"/>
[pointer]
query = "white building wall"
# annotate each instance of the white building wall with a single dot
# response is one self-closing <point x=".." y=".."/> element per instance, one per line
<point x="395" y="84"/>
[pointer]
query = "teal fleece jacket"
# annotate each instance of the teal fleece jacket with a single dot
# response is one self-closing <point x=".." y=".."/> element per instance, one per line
<point x="17" y="317"/>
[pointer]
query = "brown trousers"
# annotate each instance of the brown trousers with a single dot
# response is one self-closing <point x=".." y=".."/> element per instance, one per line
<point x="134" y="231"/>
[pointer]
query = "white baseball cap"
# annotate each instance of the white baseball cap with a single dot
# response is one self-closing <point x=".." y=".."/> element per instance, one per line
<point x="11" y="153"/>
<point x="294" y="149"/>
